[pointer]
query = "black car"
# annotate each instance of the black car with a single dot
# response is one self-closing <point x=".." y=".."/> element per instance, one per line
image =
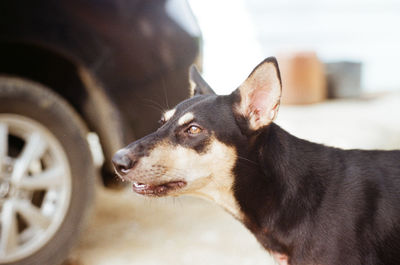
<point x="79" y="79"/>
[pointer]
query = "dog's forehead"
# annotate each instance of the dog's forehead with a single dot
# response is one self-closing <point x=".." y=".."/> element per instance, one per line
<point x="189" y="109"/>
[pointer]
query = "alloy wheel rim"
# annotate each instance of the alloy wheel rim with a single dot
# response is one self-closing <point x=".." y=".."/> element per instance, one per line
<point x="35" y="186"/>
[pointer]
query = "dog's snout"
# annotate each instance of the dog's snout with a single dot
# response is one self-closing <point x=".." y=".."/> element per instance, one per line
<point x="123" y="162"/>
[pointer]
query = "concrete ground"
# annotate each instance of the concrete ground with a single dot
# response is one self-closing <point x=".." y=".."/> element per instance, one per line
<point x="129" y="229"/>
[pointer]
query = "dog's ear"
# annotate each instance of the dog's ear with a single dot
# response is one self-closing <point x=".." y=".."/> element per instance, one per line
<point x="198" y="86"/>
<point x="259" y="96"/>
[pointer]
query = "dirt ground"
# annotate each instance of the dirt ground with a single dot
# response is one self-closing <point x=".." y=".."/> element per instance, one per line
<point x="129" y="229"/>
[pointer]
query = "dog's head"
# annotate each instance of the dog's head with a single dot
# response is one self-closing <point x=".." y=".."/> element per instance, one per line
<point x="196" y="148"/>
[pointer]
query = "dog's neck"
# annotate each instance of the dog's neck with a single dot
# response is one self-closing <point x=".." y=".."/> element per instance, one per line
<point x="287" y="172"/>
<point x="219" y="191"/>
<point x="279" y="172"/>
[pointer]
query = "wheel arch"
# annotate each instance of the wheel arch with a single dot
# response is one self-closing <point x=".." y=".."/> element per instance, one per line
<point x="75" y="83"/>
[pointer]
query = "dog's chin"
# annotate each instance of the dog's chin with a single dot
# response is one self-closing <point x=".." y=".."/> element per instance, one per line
<point x="158" y="190"/>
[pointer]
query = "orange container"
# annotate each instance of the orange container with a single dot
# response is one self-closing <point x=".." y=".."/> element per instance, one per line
<point x="303" y="78"/>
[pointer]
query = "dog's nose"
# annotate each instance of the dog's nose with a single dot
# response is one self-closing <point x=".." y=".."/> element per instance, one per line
<point x="123" y="163"/>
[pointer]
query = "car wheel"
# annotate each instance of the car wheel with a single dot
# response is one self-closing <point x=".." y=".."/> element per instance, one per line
<point x="47" y="174"/>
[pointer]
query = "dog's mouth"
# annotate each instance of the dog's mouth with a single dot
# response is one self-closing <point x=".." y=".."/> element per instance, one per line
<point x="159" y="189"/>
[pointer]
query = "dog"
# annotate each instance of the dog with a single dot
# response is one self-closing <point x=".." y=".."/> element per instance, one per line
<point x="306" y="203"/>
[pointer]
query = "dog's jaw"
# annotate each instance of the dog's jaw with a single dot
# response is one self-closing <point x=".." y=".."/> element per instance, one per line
<point x="170" y="170"/>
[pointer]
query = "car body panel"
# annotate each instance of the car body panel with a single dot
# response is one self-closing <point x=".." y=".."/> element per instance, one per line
<point x="131" y="57"/>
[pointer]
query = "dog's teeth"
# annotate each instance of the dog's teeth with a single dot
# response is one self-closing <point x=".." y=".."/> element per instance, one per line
<point x="139" y="185"/>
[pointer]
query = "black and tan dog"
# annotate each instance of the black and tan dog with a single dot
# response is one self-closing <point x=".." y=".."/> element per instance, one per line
<point x="306" y="203"/>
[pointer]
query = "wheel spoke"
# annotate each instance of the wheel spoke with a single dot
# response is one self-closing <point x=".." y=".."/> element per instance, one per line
<point x="37" y="191"/>
<point x="9" y="233"/>
<point x="45" y="180"/>
<point x="32" y="214"/>
<point x="3" y="143"/>
<point x="34" y="148"/>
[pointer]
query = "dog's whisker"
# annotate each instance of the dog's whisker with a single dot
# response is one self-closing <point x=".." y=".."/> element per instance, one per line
<point x="248" y="160"/>
<point x="155" y="105"/>
<point x="165" y="92"/>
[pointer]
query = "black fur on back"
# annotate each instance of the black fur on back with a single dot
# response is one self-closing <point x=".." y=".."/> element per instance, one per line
<point x="318" y="204"/>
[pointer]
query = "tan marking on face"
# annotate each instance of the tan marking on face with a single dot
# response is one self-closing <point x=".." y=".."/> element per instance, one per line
<point x="168" y="114"/>
<point x="187" y="117"/>
<point x="207" y="175"/>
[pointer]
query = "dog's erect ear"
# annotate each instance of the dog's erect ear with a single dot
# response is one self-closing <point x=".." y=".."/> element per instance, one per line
<point x="198" y="86"/>
<point x="260" y="95"/>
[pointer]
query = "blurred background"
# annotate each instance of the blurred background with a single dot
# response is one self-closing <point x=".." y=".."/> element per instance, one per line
<point x="81" y="79"/>
<point x="238" y="33"/>
<point x="337" y="58"/>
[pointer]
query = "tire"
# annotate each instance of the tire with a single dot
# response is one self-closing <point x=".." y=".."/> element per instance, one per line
<point x="62" y="145"/>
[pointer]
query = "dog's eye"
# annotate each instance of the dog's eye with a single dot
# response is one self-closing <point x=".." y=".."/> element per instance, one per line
<point x="193" y="129"/>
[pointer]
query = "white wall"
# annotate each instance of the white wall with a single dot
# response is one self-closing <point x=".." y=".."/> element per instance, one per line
<point x="240" y="33"/>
